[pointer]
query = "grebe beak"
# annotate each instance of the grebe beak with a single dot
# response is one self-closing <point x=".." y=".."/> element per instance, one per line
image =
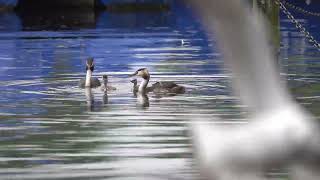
<point x="91" y="68"/>
<point x="134" y="74"/>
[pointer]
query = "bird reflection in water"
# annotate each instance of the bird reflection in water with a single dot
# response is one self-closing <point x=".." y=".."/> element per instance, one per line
<point x="105" y="99"/>
<point x="89" y="98"/>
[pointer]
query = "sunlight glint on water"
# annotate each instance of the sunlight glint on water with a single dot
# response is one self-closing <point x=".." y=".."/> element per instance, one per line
<point x="49" y="132"/>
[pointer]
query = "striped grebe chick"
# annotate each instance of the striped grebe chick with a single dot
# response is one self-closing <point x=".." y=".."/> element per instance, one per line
<point x="105" y="86"/>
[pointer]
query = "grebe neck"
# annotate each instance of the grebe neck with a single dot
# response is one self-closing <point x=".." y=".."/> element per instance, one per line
<point x="143" y="85"/>
<point x="88" y="78"/>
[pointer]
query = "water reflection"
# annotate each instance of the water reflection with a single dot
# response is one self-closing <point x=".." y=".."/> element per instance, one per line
<point x="105" y="98"/>
<point x="52" y="19"/>
<point x="89" y="98"/>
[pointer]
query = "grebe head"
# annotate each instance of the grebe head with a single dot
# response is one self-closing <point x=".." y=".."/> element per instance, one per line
<point x="135" y="86"/>
<point x="105" y="78"/>
<point x="142" y="72"/>
<point x="89" y="81"/>
<point x="134" y="81"/>
<point x="90" y="64"/>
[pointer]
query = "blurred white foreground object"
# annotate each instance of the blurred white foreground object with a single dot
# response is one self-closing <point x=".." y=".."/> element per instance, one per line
<point x="279" y="132"/>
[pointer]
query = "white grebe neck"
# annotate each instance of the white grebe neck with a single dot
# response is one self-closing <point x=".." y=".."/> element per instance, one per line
<point x="143" y="85"/>
<point x="88" y="78"/>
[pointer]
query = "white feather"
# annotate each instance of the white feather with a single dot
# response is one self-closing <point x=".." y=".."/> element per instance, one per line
<point x="277" y="129"/>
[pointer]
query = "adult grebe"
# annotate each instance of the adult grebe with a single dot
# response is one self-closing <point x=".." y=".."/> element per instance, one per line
<point x="158" y="87"/>
<point x="105" y="86"/>
<point x="89" y="81"/>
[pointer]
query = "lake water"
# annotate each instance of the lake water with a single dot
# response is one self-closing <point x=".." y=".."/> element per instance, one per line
<point x="51" y="129"/>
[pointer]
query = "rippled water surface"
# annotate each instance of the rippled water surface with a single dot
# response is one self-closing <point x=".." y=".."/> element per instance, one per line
<point x="51" y="129"/>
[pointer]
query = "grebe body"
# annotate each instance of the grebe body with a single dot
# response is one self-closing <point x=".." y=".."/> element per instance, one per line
<point x="158" y="87"/>
<point x="105" y="86"/>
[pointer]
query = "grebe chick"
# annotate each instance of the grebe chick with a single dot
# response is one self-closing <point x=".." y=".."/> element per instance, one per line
<point x="158" y="87"/>
<point x="105" y="86"/>
<point x="135" y="87"/>
<point x="89" y="81"/>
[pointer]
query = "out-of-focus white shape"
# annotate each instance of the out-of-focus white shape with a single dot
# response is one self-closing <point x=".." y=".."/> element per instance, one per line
<point x="271" y="138"/>
<point x="308" y="2"/>
<point x="243" y="41"/>
<point x="279" y="131"/>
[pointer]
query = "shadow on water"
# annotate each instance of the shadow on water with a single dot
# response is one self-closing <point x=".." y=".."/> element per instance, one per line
<point x="50" y="128"/>
<point x="52" y="19"/>
<point x="40" y="15"/>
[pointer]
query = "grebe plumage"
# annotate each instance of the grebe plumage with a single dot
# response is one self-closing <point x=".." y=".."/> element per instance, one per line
<point x="105" y="86"/>
<point x="135" y="87"/>
<point x="158" y="87"/>
<point x="89" y="81"/>
<point x="143" y="98"/>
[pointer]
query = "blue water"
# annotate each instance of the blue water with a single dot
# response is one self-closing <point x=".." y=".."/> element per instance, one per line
<point x="50" y="130"/>
<point x="300" y="59"/>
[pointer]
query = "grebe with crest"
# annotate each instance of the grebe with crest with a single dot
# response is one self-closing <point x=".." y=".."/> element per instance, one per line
<point x="89" y="81"/>
<point x="165" y="87"/>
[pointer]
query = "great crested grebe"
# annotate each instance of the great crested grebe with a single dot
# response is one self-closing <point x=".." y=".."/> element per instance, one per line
<point x="105" y="87"/>
<point x="89" y="81"/>
<point x="158" y="87"/>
